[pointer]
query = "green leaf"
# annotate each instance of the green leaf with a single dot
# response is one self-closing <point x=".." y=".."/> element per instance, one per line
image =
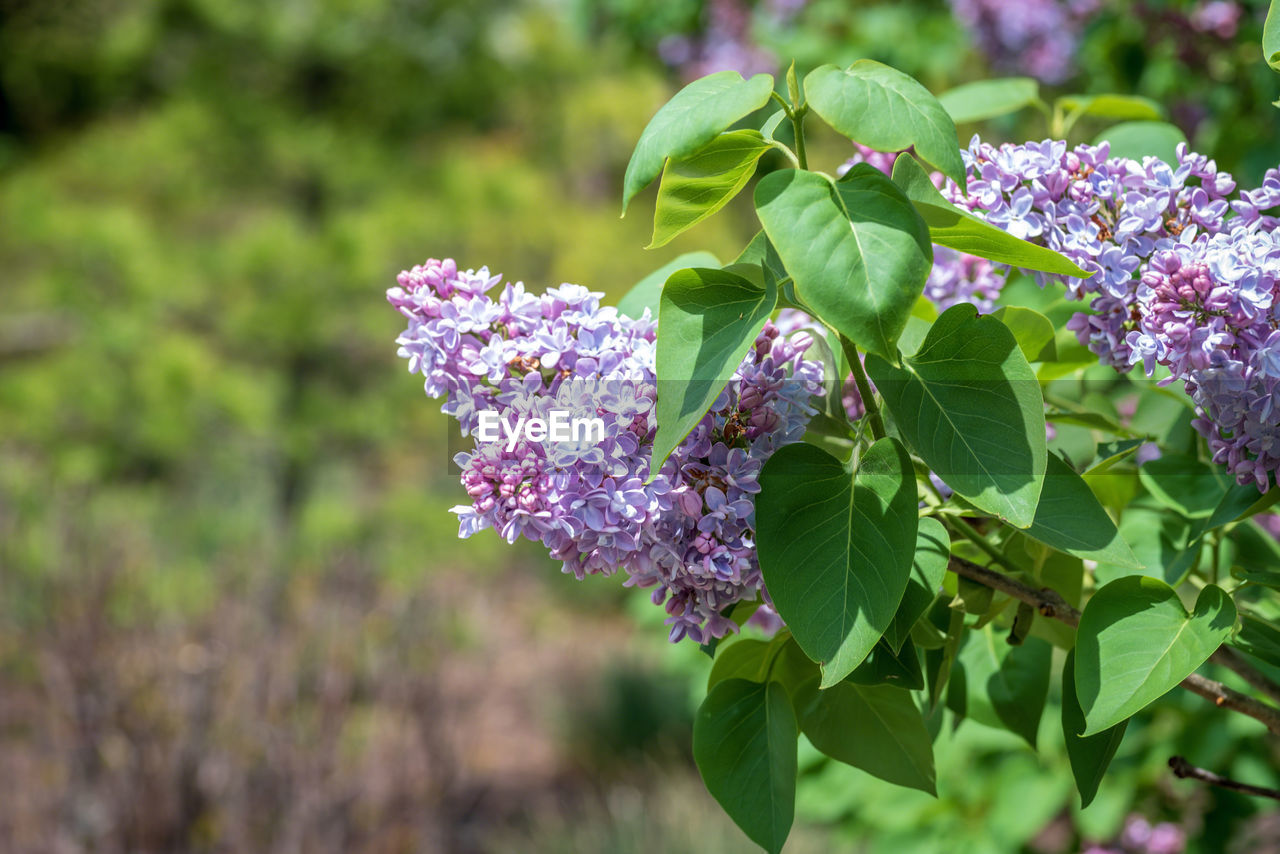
<point x="877" y="728"/>
<point x="1136" y="642"/>
<point x="1240" y="502"/>
<point x="960" y="230"/>
<point x="836" y="550"/>
<point x="745" y="658"/>
<point x="970" y="406"/>
<point x="1258" y="638"/>
<point x="887" y="666"/>
<point x="1032" y="330"/>
<point x="648" y="291"/>
<point x="1006" y="685"/>
<point x="1112" y="106"/>
<point x="780" y="660"/>
<point x="770" y="126"/>
<point x="858" y="251"/>
<point x="691" y="119"/>
<point x="1070" y="519"/>
<point x="1185" y="484"/>
<point x="706" y="323"/>
<point x="1257" y="555"/>
<point x="887" y="110"/>
<point x="928" y="568"/>
<point x="939" y="659"/>
<point x="1110" y="453"/>
<point x="986" y="99"/>
<point x="1160" y="542"/>
<point x="1271" y="36"/>
<point x="744" y="743"/>
<point x="760" y="252"/>
<point x="1089" y="755"/>
<point x="1136" y="140"/>
<point x="695" y="187"/>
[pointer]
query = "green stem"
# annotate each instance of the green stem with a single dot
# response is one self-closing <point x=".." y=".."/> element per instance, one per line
<point x="797" y="123"/>
<point x="864" y="387"/>
<point x="1217" y="559"/>
<point x="982" y="543"/>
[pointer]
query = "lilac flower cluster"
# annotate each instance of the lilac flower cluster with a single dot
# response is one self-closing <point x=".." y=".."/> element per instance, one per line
<point x="1208" y="312"/>
<point x="726" y="44"/>
<point x="688" y="532"/>
<point x="1183" y="274"/>
<point x="1035" y="37"/>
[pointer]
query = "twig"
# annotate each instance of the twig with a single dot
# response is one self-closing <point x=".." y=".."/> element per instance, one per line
<point x="1232" y="660"/>
<point x="864" y="387"/>
<point x="1051" y="604"/>
<point x="1186" y="771"/>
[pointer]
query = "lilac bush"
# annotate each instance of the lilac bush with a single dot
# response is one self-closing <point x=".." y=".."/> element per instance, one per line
<point x="718" y="469"/>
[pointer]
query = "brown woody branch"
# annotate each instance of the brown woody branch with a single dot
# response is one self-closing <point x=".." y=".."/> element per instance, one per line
<point x="1232" y="660"/>
<point x="1185" y="770"/>
<point x="1051" y="604"/>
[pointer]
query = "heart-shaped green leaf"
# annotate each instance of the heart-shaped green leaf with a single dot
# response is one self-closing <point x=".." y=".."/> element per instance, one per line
<point x="1114" y="107"/>
<point x="857" y="250"/>
<point x="1136" y="140"/>
<point x="706" y="323"/>
<point x="1190" y="486"/>
<point x="986" y="99"/>
<point x="744" y="743"/>
<point x="745" y="658"/>
<point x="695" y="187"/>
<point x="1089" y="755"/>
<point x="887" y="666"/>
<point x="1005" y="685"/>
<point x="647" y="292"/>
<point x="960" y="230"/>
<point x="779" y="659"/>
<point x="1136" y="642"/>
<point x="928" y="567"/>
<point x="691" y="119"/>
<point x="877" y="728"/>
<point x="1070" y="519"/>
<point x="1032" y="330"/>
<point x="1161" y="543"/>
<point x="970" y="405"/>
<point x="887" y="110"/>
<point x="836" y="549"/>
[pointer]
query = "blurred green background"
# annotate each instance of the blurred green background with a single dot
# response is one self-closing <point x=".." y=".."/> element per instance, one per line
<point x="234" y="614"/>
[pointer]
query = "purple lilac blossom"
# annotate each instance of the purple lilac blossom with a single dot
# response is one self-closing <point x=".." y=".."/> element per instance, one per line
<point x="1139" y="836"/>
<point x="726" y="44"/>
<point x="688" y="534"/>
<point x="1220" y="17"/>
<point x="1183" y="275"/>
<point x="1035" y="37"/>
<point x="1208" y="313"/>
